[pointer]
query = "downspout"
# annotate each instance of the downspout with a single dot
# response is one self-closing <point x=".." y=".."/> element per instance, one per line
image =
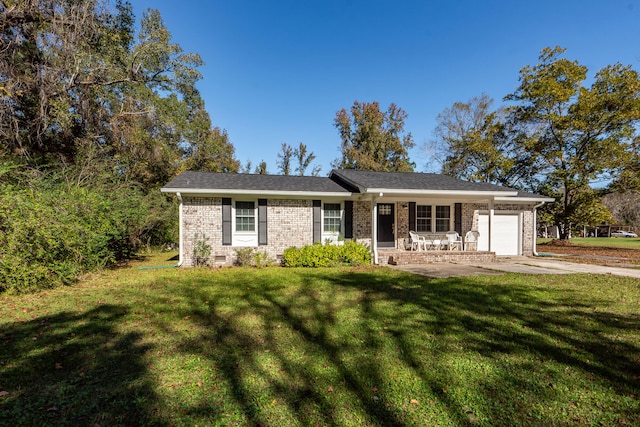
<point x="535" y="228"/>
<point x="180" y="233"/>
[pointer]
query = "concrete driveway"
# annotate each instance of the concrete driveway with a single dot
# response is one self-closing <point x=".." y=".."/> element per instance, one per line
<point x="524" y="265"/>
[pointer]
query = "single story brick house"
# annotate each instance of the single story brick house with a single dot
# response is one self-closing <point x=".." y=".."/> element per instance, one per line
<point x="273" y="212"/>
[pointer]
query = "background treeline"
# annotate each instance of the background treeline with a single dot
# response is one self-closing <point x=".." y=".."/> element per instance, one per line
<point x="98" y="111"/>
<point x="561" y="133"/>
<point x="94" y="118"/>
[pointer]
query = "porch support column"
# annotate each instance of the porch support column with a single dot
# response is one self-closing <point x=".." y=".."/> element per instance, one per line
<point x="490" y="225"/>
<point x="374" y="227"/>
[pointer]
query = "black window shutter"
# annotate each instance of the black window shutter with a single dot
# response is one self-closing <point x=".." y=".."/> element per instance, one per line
<point x="348" y="219"/>
<point x="317" y="221"/>
<point x="457" y="218"/>
<point x="226" y="221"/>
<point x="412" y="216"/>
<point x="262" y="221"/>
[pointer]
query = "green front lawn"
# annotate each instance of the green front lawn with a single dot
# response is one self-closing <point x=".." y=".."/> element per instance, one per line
<point x="603" y="242"/>
<point x="358" y="347"/>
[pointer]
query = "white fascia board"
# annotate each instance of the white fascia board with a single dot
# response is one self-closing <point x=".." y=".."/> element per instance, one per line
<point x="463" y="193"/>
<point x="525" y="199"/>
<point x="219" y="192"/>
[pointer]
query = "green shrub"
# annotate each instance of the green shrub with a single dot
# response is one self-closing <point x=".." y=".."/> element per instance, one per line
<point x="355" y="253"/>
<point x="244" y="257"/>
<point x="261" y="259"/>
<point x="52" y="230"/>
<point x="253" y="258"/>
<point x="201" y="251"/>
<point x="318" y="255"/>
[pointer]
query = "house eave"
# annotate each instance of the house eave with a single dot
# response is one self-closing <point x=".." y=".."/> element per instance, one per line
<point x="524" y="199"/>
<point x="440" y="193"/>
<point x="275" y="193"/>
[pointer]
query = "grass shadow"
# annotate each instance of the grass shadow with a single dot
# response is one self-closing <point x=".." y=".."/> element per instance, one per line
<point x="74" y="369"/>
<point x="289" y="345"/>
<point x="366" y="346"/>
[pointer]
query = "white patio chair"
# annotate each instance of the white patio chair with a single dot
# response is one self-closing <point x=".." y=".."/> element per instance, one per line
<point x="471" y="240"/>
<point x="454" y="241"/>
<point x="417" y="241"/>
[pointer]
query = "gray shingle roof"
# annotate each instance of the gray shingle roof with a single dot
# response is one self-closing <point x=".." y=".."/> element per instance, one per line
<point x="412" y="181"/>
<point x="339" y="182"/>
<point x="241" y="181"/>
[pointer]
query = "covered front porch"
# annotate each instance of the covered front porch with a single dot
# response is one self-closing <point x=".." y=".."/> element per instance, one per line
<point x="392" y="256"/>
<point x="413" y="230"/>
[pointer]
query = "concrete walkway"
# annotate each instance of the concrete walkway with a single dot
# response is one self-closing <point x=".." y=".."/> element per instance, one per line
<point x="524" y="265"/>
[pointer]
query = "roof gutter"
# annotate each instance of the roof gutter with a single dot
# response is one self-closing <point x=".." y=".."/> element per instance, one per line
<point x="241" y="192"/>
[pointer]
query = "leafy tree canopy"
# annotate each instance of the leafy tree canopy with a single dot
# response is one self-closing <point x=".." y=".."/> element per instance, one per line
<point x="475" y="143"/>
<point x="557" y="137"/>
<point x="372" y="139"/>
<point x="76" y="79"/>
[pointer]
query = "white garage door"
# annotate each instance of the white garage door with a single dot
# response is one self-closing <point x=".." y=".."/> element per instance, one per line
<point x="506" y="234"/>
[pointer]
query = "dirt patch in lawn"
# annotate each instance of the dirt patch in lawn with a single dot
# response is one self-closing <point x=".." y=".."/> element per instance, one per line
<point x="592" y="255"/>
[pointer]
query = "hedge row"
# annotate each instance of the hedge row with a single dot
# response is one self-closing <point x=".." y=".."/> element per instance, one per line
<point x="50" y="234"/>
<point x="318" y="255"/>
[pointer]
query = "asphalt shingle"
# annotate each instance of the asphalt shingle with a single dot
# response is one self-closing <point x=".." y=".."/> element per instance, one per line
<point x="240" y="181"/>
<point x="412" y="181"/>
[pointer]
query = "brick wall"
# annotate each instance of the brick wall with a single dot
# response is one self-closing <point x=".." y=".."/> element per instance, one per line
<point x="528" y="232"/>
<point x="386" y="257"/>
<point x="402" y="223"/>
<point x="202" y="219"/>
<point x="362" y="222"/>
<point x="289" y="223"/>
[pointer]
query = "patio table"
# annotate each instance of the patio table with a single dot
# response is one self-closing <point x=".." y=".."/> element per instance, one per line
<point x="435" y="242"/>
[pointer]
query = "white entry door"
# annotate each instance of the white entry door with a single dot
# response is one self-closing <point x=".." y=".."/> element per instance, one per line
<point x="506" y="234"/>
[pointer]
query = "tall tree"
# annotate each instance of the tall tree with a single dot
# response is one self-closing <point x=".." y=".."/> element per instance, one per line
<point x="247" y="168"/>
<point x="304" y="160"/>
<point x="628" y="177"/>
<point x="211" y="152"/>
<point x="76" y="79"/>
<point x="261" y="169"/>
<point x="576" y="134"/>
<point x="624" y="207"/>
<point x="284" y="159"/>
<point x="57" y="55"/>
<point x="372" y="139"/>
<point x="475" y="143"/>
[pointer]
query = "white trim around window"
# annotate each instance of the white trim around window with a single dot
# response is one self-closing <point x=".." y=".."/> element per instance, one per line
<point x="241" y="218"/>
<point x="333" y="223"/>
<point x="429" y="218"/>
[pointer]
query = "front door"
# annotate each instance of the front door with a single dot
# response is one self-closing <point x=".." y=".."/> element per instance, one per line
<point x="385" y="225"/>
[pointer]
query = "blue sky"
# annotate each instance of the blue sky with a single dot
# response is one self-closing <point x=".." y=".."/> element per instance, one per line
<point x="278" y="71"/>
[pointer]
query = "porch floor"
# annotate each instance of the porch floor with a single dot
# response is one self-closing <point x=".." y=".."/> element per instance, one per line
<point x="391" y="256"/>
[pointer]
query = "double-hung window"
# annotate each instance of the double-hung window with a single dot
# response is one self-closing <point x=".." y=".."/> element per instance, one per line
<point x="426" y="222"/>
<point x="332" y="217"/>
<point x="443" y="218"/>
<point x="245" y="216"/>
<point x="423" y="218"/>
